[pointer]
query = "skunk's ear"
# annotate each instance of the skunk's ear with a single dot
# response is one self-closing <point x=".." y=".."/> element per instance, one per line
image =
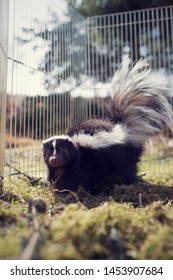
<point x="43" y="145"/>
<point x="47" y="146"/>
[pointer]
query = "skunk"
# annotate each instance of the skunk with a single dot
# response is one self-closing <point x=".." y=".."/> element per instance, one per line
<point x="99" y="152"/>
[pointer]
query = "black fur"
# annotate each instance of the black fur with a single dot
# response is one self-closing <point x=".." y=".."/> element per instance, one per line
<point x="94" y="169"/>
<point x="136" y="111"/>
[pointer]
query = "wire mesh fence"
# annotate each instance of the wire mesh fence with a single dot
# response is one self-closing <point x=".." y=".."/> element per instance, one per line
<point x="144" y="33"/>
<point x="3" y="80"/>
<point x="46" y="60"/>
<point x="60" y="67"/>
<point x="139" y="34"/>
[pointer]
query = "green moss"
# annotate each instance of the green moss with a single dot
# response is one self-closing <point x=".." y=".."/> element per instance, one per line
<point x="7" y="217"/>
<point x="158" y="246"/>
<point x="111" y="230"/>
<point x="10" y="247"/>
<point x="128" y="222"/>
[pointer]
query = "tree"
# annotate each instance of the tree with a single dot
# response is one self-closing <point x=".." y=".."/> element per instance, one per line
<point x="102" y="7"/>
<point x="144" y="33"/>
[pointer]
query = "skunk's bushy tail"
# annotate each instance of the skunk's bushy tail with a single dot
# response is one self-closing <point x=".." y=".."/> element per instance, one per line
<point x="137" y="101"/>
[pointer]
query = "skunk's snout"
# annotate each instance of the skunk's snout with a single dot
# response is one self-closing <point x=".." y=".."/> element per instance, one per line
<point x="53" y="161"/>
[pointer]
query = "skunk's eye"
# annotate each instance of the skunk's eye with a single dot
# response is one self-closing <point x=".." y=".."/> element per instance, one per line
<point x="47" y="147"/>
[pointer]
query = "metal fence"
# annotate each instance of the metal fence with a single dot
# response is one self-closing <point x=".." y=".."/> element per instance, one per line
<point x="3" y="80"/>
<point x="60" y="66"/>
<point x="46" y="62"/>
<point x="144" y="33"/>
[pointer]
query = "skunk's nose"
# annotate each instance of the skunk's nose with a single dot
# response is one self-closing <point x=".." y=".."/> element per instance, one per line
<point x="53" y="161"/>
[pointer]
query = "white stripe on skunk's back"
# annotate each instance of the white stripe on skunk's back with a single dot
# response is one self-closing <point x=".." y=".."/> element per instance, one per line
<point x="102" y="139"/>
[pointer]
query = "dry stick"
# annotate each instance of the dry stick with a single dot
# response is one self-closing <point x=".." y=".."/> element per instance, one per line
<point x="1" y="185"/>
<point x="140" y="200"/>
<point x="33" y="180"/>
<point x="69" y="191"/>
<point x="3" y="194"/>
<point x="30" y="248"/>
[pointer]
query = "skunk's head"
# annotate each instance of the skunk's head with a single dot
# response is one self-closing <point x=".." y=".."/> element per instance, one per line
<point x="58" y="151"/>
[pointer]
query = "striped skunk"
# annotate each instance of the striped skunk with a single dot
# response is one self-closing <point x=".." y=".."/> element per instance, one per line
<point x="99" y="152"/>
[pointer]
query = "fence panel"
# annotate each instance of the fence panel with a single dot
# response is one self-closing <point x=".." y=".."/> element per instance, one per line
<point x="3" y="80"/>
<point x="144" y="33"/>
<point x="140" y="34"/>
<point x="46" y="68"/>
<point x="59" y="70"/>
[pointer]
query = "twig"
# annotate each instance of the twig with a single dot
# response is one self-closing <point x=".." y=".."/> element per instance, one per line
<point x="142" y="175"/>
<point x="66" y="190"/>
<point x="33" y="180"/>
<point x="3" y="195"/>
<point x="1" y="184"/>
<point x="31" y="246"/>
<point x="140" y="200"/>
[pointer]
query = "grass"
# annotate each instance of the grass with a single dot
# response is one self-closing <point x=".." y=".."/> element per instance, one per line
<point x="129" y="222"/>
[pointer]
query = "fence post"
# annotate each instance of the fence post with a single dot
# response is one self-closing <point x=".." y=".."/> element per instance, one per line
<point x="3" y="81"/>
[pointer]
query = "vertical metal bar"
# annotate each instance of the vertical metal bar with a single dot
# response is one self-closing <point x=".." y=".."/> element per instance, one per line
<point x="114" y="43"/>
<point x="149" y="33"/>
<point x="131" y="35"/>
<point x="136" y="45"/>
<point x="166" y="52"/>
<point x="158" y="45"/>
<point x="153" y="38"/>
<point x="144" y="41"/>
<point x="4" y="9"/>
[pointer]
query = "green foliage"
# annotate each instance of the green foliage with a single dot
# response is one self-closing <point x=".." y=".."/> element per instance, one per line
<point x="100" y="7"/>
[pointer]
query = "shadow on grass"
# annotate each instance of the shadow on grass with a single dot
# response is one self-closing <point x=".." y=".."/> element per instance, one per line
<point x="139" y="195"/>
